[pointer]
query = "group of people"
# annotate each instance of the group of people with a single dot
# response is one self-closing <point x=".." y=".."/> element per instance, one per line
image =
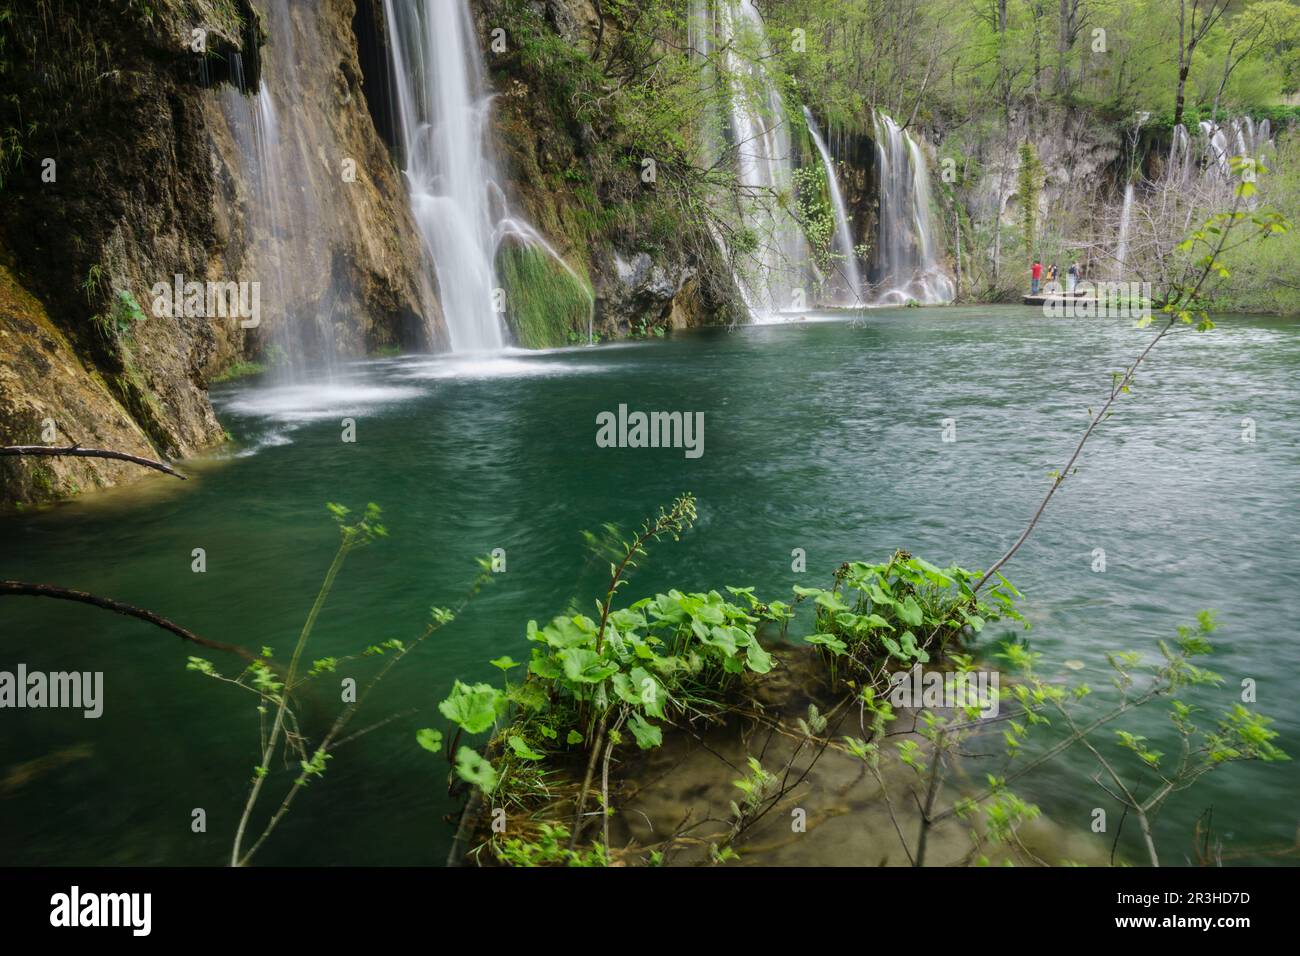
<point x="1053" y="274"/>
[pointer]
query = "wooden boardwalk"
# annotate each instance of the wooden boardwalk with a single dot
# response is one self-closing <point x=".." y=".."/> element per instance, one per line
<point x="1043" y="298"/>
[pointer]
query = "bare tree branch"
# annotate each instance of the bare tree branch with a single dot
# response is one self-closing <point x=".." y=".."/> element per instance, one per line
<point x="23" y="588"/>
<point x="76" y="451"/>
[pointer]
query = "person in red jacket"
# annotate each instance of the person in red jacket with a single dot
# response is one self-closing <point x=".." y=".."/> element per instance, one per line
<point x="1036" y="273"/>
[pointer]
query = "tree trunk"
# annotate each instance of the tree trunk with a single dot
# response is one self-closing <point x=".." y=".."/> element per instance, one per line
<point x="1184" y="62"/>
<point x="1062" y="47"/>
<point x="1180" y="98"/>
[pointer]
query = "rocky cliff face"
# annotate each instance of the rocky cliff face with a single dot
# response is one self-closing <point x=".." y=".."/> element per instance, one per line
<point x="1081" y="156"/>
<point x="47" y="396"/>
<point x="647" y="268"/>
<point x="125" y="165"/>
<point x="114" y="185"/>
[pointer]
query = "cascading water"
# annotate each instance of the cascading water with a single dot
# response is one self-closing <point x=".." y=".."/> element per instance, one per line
<point x="443" y="114"/>
<point x="1198" y="167"/>
<point x="442" y="125"/>
<point x="1217" y="140"/>
<point x="905" y="264"/>
<point x="1235" y="137"/>
<point x="1212" y="163"/>
<point x="1121" y="244"/>
<point x="297" y="294"/>
<point x="758" y="133"/>
<point x="1180" y="154"/>
<point x="846" y="280"/>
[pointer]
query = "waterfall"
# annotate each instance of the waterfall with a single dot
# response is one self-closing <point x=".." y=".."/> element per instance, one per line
<point x="847" y="279"/>
<point x="1234" y="137"/>
<point x="297" y="292"/>
<point x="1180" y="154"/>
<point x="906" y="266"/>
<point x="1217" y="142"/>
<point x="758" y="132"/>
<point x="1121" y="245"/>
<point x="442" y="114"/>
<point x="443" y="119"/>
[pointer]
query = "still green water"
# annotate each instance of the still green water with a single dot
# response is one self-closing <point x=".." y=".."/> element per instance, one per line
<point x="821" y="435"/>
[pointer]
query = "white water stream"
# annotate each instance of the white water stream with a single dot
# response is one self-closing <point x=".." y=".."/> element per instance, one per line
<point x="846" y="283"/>
<point x="906" y="263"/>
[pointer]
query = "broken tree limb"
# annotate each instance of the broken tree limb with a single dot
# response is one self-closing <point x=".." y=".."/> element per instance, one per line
<point x="23" y="588"/>
<point x="76" y="451"/>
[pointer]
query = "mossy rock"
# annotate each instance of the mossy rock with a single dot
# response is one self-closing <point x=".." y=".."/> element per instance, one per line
<point x="546" y="304"/>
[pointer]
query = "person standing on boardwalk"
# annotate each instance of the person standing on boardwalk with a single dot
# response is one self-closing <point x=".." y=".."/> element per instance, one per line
<point x="1035" y="274"/>
<point x="1071" y="278"/>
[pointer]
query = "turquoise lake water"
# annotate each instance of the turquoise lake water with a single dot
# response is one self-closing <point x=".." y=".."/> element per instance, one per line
<point x="824" y="435"/>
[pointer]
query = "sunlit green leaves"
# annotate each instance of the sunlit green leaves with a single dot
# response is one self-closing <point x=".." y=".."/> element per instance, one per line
<point x="910" y="649"/>
<point x="473" y="768"/>
<point x="585" y="666"/>
<point x="828" y="641"/>
<point x="202" y="665"/>
<point x="1137" y="744"/>
<point x="474" y="708"/>
<point x="910" y="612"/>
<point x="315" y="767"/>
<point x="521" y="748"/>
<point x="759" y="660"/>
<point x="429" y="739"/>
<point x="647" y="734"/>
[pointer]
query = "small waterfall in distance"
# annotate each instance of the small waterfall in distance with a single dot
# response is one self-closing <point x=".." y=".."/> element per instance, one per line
<point x="904" y="263"/>
<point x="1197" y="167"/>
<point x="847" y="280"/>
<point x="1121" y="243"/>
<point x="1208" y="160"/>
<point x="758" y="132"/>
<point x="1180" y="154"/>
<point x="1235" y="137"/>
<point x="906" y="266"/>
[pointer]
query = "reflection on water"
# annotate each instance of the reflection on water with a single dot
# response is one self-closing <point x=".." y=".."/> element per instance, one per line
<point x="822" y="435"/>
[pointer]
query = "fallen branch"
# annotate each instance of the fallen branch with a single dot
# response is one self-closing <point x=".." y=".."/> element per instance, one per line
<point x="76" y="451"/>
<point x="12" y="588"/>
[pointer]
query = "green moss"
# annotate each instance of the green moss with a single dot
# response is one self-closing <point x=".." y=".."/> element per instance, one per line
<point x="45" y="481"/>
<point x="240" y="370"/>
<point x="544" y="302"/>
<point x="131" y="389"/>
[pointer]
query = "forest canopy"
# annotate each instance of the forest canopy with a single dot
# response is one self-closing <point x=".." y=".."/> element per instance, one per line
<point x="948" y="60"/>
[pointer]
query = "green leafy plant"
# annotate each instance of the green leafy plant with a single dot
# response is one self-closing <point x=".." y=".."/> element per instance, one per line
<point x="1238" y="735"/>
<point x="901" y="612"/>
<point x="550" y="849"/>
<point x="642" y="666"/>
<point x="275" y="686"/>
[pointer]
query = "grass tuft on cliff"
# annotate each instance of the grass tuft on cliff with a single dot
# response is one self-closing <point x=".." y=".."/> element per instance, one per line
<point x="546" y="306"/>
